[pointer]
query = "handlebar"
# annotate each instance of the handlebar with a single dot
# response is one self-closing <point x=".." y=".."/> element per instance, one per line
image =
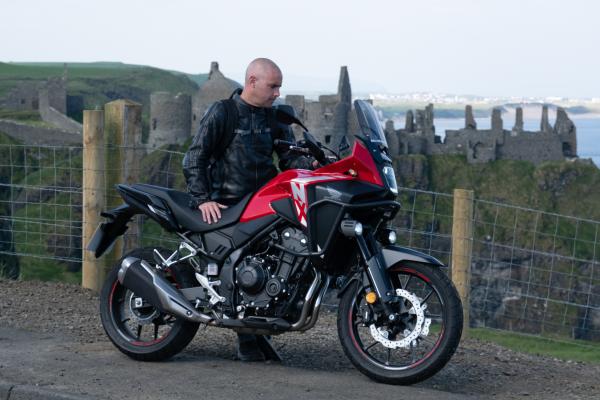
<point x="291" y="146"/>
<point x="311" y="149"/>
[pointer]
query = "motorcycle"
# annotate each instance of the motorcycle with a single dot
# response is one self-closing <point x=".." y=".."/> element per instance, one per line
<point x="265" y="266"/>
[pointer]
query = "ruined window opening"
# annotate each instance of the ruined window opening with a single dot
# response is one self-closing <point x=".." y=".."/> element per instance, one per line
<point x="566" y="148"/>
<point x="194" y="117"/>
<point x="476" y="151"/>
<point x="22" y="101"/>
<point x="153" y="124"/>
<point x="327" y="139"/>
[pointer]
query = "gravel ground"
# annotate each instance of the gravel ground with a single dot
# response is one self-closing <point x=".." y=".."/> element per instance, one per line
<point x="478" y="368"/>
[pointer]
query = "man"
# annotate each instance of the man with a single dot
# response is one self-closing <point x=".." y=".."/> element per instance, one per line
<point x="246" y="163"/>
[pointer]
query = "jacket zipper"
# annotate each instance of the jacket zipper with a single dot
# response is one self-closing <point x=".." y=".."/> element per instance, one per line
<point x="253" y="133"/>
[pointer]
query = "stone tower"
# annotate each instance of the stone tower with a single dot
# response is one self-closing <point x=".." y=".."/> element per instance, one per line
<point x="330" y="118"/>
<point x="216" y="87"/>
<point x="169" y="119"/>
<point x="567" y="133"/>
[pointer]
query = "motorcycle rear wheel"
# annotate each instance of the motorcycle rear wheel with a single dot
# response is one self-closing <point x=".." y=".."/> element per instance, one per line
<point x="409" y="349"/>
<point x="144" y="333"/>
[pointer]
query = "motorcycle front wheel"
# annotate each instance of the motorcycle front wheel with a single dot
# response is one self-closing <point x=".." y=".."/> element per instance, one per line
<point x="135" y="327"/>
<point x="417" y="341"/>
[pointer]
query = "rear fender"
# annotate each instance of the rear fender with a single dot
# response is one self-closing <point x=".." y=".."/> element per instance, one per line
<point x="108" y="232"/>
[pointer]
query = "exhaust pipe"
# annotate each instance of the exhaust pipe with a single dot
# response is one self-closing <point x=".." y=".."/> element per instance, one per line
<point x="138" y="276"/>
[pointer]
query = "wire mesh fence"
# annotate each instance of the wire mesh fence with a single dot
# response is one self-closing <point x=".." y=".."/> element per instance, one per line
<point x="535" y="272"/>
<point x="531" y="271"/>
<point x="41" y="207"/>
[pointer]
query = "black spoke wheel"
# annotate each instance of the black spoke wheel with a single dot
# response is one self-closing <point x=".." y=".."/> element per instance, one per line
<point x="137" y="328"/>
<point x="414" y="344"/>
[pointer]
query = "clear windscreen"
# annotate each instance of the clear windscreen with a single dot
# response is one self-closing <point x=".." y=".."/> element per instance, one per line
<point x="368" y="121"/>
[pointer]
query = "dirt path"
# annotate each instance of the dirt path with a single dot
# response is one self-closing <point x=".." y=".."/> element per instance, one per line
<point x="50" y="335"/>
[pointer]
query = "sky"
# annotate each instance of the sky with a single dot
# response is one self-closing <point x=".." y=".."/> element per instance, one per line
<point x="488" y="48"/>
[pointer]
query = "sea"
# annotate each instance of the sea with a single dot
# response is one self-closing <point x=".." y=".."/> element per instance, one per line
<point x="588" y="130"/>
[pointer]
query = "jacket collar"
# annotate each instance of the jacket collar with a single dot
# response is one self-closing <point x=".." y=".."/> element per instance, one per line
<point x="247" y="106"/>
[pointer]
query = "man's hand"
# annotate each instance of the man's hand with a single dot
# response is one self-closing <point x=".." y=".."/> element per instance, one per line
<point x="315" y="164"/>
<point x="211" y="211"/>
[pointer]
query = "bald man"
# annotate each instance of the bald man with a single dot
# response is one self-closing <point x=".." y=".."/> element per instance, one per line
<point x="247" y="161"/>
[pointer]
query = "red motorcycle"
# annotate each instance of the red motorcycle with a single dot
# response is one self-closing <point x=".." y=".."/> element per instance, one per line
<point x="265" y="266"/>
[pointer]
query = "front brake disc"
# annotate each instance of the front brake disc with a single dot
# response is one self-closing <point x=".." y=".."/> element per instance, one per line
<point x="421" y="327"/>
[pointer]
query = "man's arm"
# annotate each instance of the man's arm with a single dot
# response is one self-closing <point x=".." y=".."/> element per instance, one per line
<point x="197" y="158"/>
<point x="289" y="159"/>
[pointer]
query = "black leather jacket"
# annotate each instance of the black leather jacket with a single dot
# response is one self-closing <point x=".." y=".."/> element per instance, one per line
<point x="247" y="163"/>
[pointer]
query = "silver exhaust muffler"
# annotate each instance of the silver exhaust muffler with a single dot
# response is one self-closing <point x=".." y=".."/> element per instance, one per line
<point x="139" y="277"/>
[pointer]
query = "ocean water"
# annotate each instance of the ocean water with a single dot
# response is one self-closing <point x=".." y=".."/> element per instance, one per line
<point x="588" y="131"/>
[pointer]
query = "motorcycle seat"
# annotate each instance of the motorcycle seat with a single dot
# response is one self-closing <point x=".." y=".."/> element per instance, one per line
<point x="189" y="218"/>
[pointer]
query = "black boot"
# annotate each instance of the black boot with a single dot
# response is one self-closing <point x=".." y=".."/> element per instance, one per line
<point x="265" y="345"/>
<point x="248" y="348"/>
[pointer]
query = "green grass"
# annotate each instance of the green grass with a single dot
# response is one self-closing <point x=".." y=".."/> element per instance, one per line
<point x="564" y="349"/>
<point x="100" y="83"/>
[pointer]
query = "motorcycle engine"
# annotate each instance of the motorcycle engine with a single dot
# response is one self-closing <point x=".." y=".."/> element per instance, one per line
<point x="269" y="282"/>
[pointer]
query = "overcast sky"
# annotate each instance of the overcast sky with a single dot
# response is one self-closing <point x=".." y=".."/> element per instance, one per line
<point x="505" y="48"/>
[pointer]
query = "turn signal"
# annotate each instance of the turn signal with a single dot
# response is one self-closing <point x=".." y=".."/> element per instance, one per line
<point x="371" y="297"/>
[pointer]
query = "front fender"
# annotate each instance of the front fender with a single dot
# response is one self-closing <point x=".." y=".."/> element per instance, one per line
<point x="395" y="254"/>
<point x="391" y="256"/>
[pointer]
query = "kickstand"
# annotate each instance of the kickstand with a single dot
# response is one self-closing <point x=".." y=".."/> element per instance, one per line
<point x="267" y="348"/>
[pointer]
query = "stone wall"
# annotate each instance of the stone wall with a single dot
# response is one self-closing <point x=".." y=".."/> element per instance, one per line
<point x="27" y="95"/>
<point x="23" y="97"/>
<point x="54" y="94"/>
<point x="36" y="135"/>
<point x="52" y="115"/>
<point x="170" y="119"/>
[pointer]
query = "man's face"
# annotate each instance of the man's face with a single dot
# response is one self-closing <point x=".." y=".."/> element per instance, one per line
<point x="266" y="87"/>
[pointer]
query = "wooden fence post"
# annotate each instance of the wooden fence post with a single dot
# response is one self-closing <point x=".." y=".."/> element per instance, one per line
<point x="93" y="271"/>
<point x="122" y="132"/>
<point x="462" y="245"/>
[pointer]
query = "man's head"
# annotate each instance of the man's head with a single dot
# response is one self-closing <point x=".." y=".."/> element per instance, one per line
<point x="262" y="83"/>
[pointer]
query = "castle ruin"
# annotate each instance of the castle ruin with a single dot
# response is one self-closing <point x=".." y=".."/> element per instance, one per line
<point x="48" y="97"/>
<point x="331" y="118"/>
<point x="484" y="145"/>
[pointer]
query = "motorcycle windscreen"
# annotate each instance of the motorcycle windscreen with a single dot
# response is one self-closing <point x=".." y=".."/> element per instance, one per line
<point x="368" y="120"/>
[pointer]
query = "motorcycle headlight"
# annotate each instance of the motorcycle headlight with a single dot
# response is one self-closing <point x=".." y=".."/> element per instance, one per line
<point x="390" y="179"/>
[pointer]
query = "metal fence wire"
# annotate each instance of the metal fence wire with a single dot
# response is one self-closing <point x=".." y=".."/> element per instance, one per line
<point x="535" y="272"/>
<point x="531" y="271"/>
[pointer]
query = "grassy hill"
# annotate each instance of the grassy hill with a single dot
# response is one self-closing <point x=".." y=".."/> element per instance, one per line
<point x="100" y="82"/>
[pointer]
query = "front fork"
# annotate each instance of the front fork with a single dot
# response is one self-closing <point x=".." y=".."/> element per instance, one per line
<point x="376" y="271"/>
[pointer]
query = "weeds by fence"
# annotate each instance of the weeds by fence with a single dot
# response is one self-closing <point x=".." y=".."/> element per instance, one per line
<point x="531" y="271"/>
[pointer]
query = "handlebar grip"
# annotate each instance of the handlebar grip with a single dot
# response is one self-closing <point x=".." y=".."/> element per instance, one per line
<point x="278" y="142"/>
